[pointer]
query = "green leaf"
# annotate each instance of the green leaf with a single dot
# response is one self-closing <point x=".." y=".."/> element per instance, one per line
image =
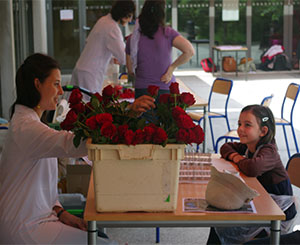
<point x="95" y="102"/>
<point x="141" y="123"/>
<point x="76" y="140"/>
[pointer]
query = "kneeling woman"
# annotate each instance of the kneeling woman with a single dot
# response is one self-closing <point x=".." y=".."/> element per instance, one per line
<point x="29" y="208"/>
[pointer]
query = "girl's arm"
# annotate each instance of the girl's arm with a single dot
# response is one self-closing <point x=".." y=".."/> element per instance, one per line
<point x="265" y="160"/>
<point x="233" y="151"/>
<point x="187" y="50"/>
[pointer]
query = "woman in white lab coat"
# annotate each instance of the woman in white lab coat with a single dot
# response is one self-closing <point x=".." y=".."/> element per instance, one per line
<point x="29" y="208"/>
<point x="104" y="42"/>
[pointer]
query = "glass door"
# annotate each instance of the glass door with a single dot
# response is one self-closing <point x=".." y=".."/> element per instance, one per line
<point x="69" y="23"/>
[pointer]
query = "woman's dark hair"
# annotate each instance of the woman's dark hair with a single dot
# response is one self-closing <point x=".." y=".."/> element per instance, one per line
<point x="264" y="117"/>
<point x="122" y="9"/>
<point x="35" y="66"/>
<point x="152" y="16"/>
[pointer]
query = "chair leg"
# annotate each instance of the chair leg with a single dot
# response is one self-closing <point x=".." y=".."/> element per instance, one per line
<point x="157" y="235"/>
<point x="286" y="141"/>
<point x="295" y="139"/>
<point x="212" y="133"/>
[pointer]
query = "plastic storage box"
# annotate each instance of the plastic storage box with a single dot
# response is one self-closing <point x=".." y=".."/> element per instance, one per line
<point x="135" y="178"/>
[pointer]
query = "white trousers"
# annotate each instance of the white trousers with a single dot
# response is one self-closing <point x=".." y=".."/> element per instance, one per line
<point x="53" y="232"/>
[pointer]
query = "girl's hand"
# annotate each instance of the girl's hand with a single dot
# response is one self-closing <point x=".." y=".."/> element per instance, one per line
<point x="166" y="78"/>
<point x="235" y="157"/>
<point x="72" y="220"/>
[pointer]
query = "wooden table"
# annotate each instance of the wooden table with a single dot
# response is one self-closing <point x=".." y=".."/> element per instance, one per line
<point x="199" y="104"/>
<point x="268" y="213"/>
<point x="228" y="48"/>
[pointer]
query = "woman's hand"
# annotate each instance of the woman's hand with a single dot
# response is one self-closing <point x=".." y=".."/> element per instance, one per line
<point x="166" y="78"/>
<point x="72" y="220"/>
<point x="142" y="104"/>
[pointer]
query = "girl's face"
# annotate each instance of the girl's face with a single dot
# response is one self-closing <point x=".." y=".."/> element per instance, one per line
<point x="49" y="90"/>
<point x="249" y="130"/>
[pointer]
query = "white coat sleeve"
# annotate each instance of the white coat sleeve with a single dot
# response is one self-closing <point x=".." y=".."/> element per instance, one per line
<point x="116" y="45"/>
<point x="38" y="139"/>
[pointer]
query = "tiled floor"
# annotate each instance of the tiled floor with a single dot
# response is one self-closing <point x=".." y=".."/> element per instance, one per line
<point x="244" y="92"/>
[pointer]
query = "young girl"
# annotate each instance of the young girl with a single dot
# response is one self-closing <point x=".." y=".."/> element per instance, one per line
<point x="255" y="155"/>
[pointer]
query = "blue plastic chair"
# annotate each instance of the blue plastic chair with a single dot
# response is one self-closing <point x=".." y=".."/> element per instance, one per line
<point x="232" y="135"/>
<point x="287" y="108"/>
<point x="222" y="87"/>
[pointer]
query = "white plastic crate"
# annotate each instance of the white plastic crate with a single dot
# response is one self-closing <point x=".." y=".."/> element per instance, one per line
<point x="135" y="178"/>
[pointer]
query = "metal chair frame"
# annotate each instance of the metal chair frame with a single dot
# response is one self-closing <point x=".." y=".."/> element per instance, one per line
<point x="291" y="93"/>
<point x="220" y="86"/>
<point x="232" y="134"/>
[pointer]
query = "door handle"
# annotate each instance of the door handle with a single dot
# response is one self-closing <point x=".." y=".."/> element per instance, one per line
<point x="86" y="28"/>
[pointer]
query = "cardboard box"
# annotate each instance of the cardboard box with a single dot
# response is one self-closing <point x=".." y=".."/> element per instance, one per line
<point x="78" y="178"/>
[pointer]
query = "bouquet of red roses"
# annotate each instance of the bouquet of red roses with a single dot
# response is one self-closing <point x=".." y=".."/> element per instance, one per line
<point x="107" y="120"/>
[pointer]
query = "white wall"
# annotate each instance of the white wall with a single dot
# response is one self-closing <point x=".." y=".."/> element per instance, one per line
<point x="7" y="54"/>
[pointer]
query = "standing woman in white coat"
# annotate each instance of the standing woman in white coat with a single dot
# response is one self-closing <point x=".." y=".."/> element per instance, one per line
<point x="104" y="42"/>
<point x="30" y="212"/>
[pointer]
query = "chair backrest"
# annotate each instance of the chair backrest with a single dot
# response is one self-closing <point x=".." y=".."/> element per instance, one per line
<point x="221" y="86"/>
<point x="293" y="169"/>
<point x="267" y="100"/>
<point x="292" y="93"/>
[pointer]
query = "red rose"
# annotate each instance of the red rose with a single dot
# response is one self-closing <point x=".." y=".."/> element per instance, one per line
<point x="153" y="90"/>
<point x="103" y="118"/>
<point x="128" y="93"/>
<point x="182" y="135"/>
<point x="79" y="108"/>
<point x="159" y="136"/>
<point x="122" y="130"/>
<point x="69" y="121"/>
<point x="164" y="98"/>
<point x="129" y="136"/>
<point x="192" y="137"/>
<point x="139" y="137"/>
<point x="65" y="126"/>
<point x="187" y="98"/>
<point x="75" y="96"/>
<point x="199" y="134"/>
<point x="184" y="121"/>
<point x="174" y="88"/>
<point x="91" y="123"/>
<point x="177" y="111"/>
<point x="108" y="130"/>
<point x="149" y="131"/>
<point x="99" y="97"/>
<point x="108" y="91"/>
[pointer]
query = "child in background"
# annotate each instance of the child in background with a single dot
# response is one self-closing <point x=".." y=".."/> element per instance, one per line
<point x="255" y="155"/>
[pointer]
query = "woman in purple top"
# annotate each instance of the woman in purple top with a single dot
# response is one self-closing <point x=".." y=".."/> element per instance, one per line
<point x="149" y="49"/>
